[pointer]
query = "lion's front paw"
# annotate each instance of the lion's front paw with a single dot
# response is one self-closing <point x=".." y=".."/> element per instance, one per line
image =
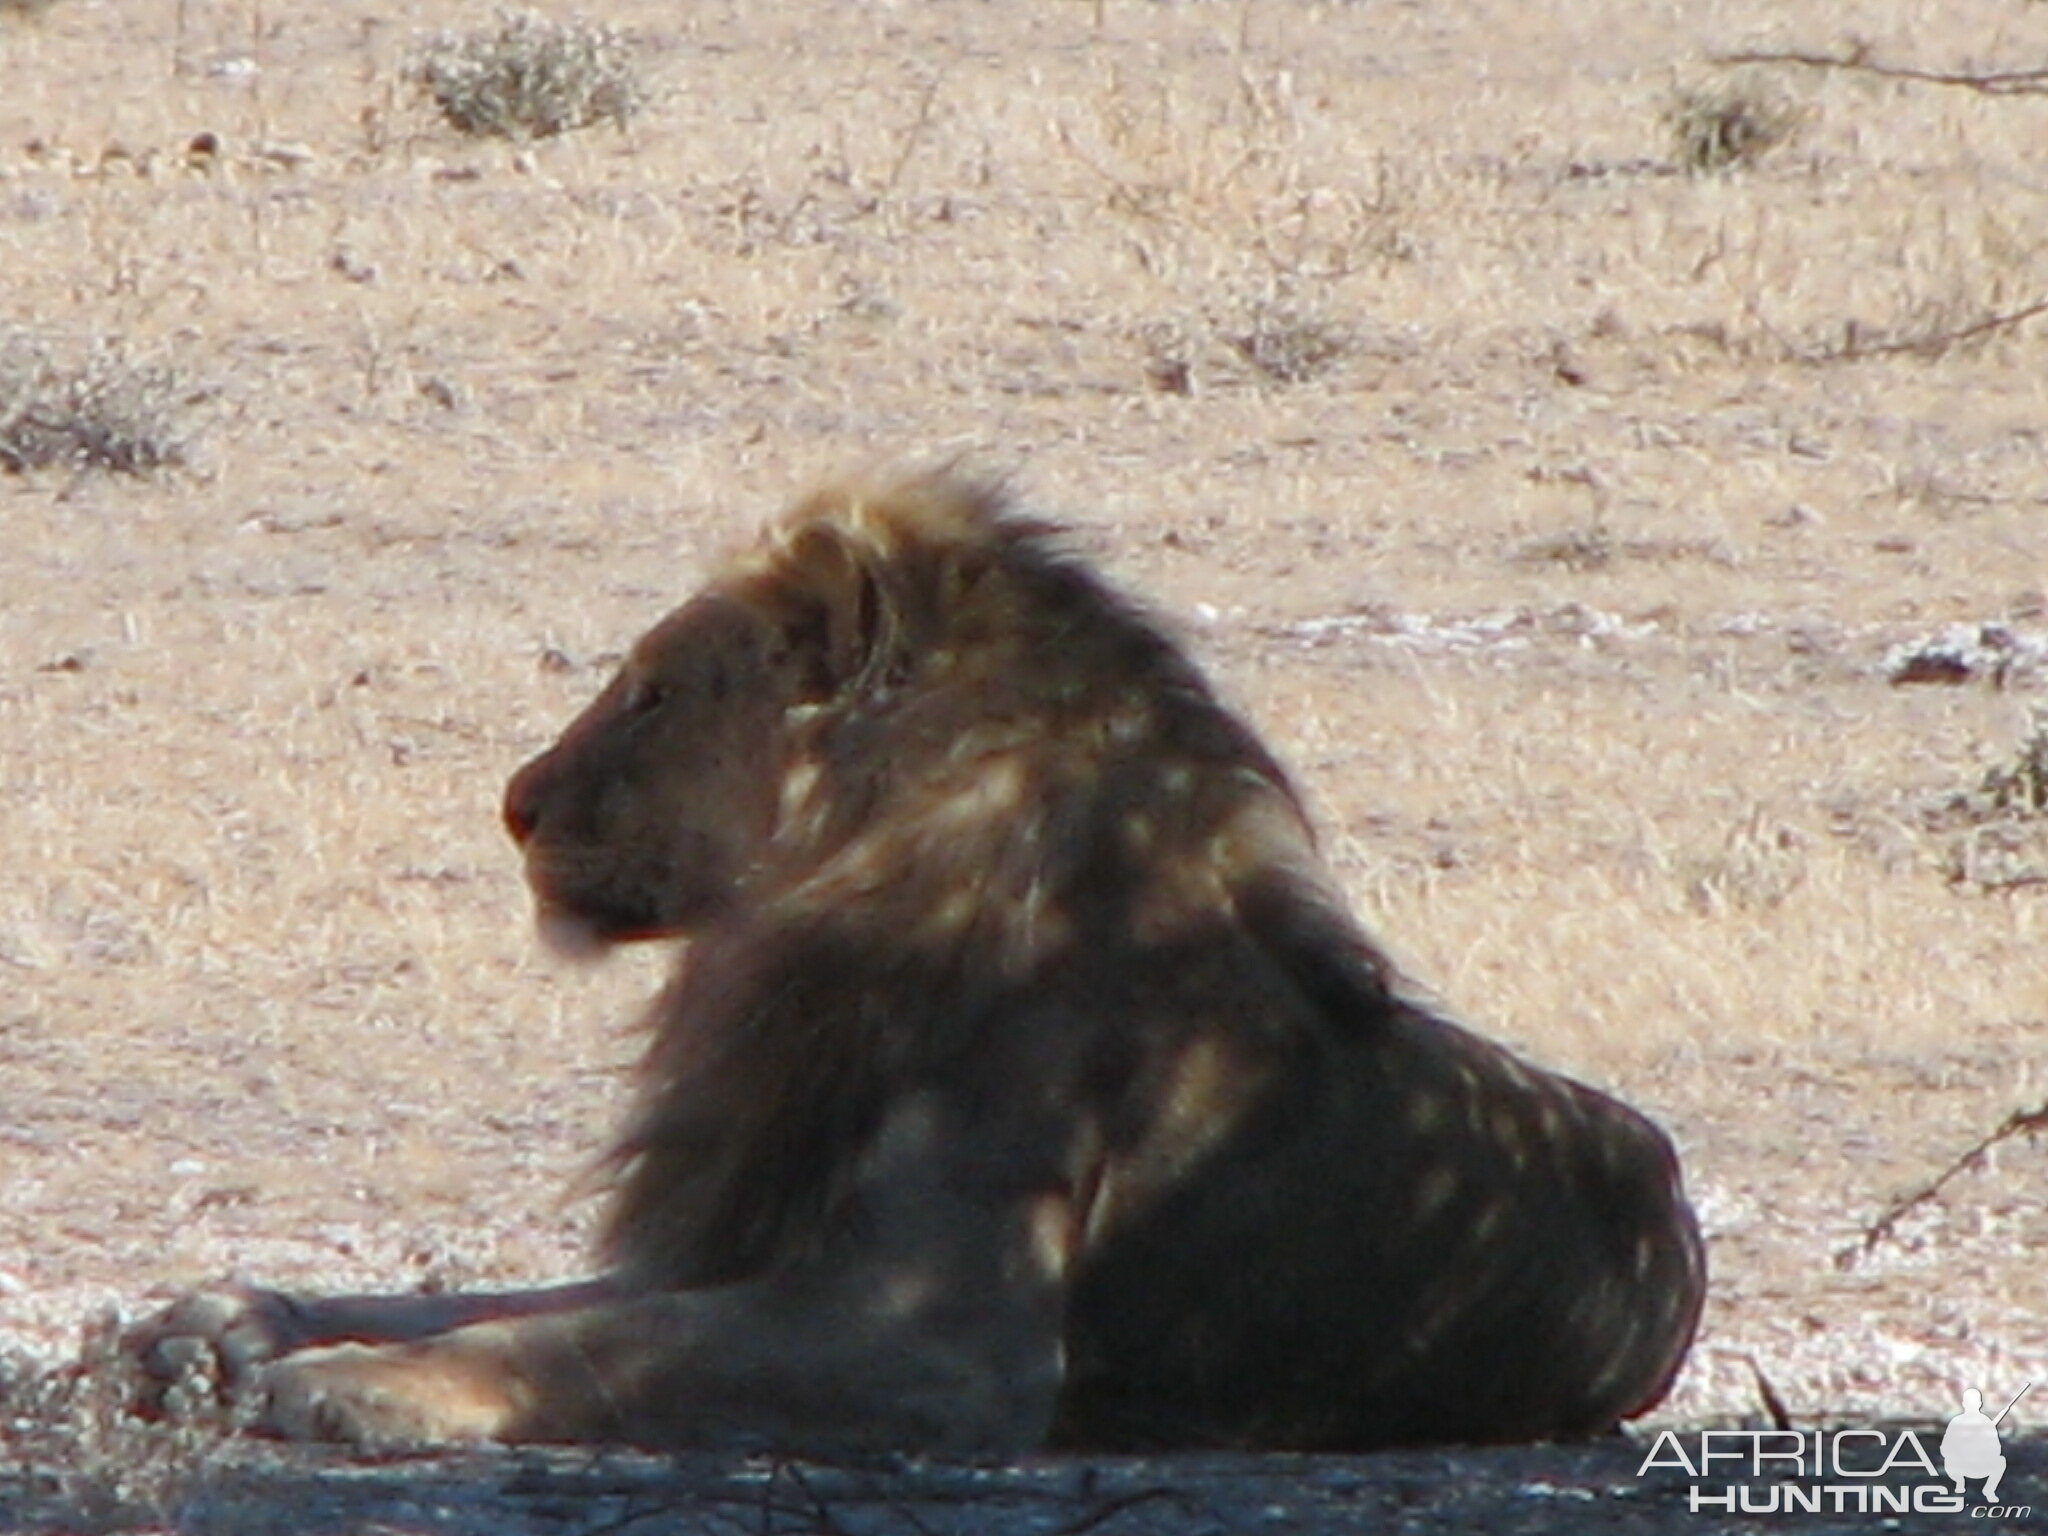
<point x="213" y="1344"/>
<point x="384" y="1397"/>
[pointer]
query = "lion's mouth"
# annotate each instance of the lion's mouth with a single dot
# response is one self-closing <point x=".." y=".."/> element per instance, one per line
<point x="577" y="925"/>
<point x="579" y="917"/>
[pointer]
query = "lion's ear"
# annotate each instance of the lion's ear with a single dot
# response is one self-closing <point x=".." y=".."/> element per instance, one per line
<point x="841" y="621"/>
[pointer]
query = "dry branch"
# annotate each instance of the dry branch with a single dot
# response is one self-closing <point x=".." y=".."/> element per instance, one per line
<point x="1930" y="343"/>
<point x="2014" y="82"/>
<point x="2021" y="1121"/>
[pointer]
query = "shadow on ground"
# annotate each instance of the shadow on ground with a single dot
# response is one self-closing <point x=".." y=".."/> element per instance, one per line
<point x="248" y="1487"/>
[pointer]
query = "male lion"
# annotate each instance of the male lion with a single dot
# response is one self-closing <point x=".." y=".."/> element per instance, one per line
<point x="1024" y="1082"/>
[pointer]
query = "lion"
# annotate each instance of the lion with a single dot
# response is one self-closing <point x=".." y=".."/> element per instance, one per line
<point x="1023" y="1084"/>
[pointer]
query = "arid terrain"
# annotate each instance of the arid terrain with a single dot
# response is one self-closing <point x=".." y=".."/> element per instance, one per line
<point x="1615" y="478"/>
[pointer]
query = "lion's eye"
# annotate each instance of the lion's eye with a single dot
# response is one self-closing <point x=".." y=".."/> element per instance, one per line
<point x="643" y="696"/>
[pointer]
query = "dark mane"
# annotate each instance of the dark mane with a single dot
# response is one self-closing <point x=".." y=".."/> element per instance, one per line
<point x="1015" y="783"/>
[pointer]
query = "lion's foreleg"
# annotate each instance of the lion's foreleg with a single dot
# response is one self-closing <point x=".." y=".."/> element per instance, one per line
<point x="232" y="1332"/>
<point x="950" y="1344"/>
<point x="403" y="1319"/>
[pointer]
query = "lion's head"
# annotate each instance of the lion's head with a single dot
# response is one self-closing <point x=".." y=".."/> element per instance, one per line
<point x="902" y="680"/>
<point x="642" y="820"/>
<point x="648" y="816"/>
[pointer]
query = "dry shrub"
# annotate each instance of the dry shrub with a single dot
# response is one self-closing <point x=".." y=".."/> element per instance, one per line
<point x="1999" y="827"/>
<point x="106" y="412"/>
<point x="1758" y="867"/>
<point x="88" y="1462"/>
<point x="1289" y="347"/>
<point x="2010" y="791"/>
<point x="530" y="77"/>
<point x="1265" y="341"/>
<point x="2021" y="787"/>
<point x="1729" y="127"/>
<point x="1591" y="547"/>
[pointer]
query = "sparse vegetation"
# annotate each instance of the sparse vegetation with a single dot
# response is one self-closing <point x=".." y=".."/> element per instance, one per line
<point x="530" y="77"/>
<point x="2021" y="787"/>
<point x="1588" y="547"/>
<point x="1758" y="868"/>
<point x="1592" y="545"/>
<point x="1287" y="346"/>
<point x="92" y="1464"/>
<point x="1729" y="126"/>
<point x="105" y="413"/>
<point x="1999" y="827"/>
<point x="1267" y="341"/>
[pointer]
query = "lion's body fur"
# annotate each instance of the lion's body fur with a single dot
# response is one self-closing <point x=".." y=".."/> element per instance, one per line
<point x="1032" y="856"/>
<point x="1024" y="1080"/>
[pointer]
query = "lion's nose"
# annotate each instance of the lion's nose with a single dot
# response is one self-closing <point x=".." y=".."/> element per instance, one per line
<point x="522" y="803"/>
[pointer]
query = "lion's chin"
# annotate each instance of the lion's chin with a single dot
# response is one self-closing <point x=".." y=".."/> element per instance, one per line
<point x="572" y="936"/>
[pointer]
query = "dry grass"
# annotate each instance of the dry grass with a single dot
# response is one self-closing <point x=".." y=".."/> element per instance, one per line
<point x="73" y="1436"/>
<point x="1551" y="510"/>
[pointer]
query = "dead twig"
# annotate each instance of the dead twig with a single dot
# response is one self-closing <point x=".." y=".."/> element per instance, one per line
<point x="2026" y="880"/>
<point x="2020" y="1122"/>
<point x="1109" y="1509"/>
<point x="2011" y="82"/>
<point x="1774" y="1405"/>
<point x="1930" y="343"/>
<point x="914" y="134"/>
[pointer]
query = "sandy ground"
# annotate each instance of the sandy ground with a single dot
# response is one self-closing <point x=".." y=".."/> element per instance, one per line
<point x="1568" y="520"/>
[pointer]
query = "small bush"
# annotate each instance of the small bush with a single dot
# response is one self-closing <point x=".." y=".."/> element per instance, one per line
<point x="530" y="78"/>
<point x="106" y="413"/>
<point x="1729" y="128"/>
<point x="92" y="1463"/>
<point x="2000" y="826"/>
<point x="1288" y="347"/>
<point x="1590" y="548"/>
<point x="2018" y="789"/>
